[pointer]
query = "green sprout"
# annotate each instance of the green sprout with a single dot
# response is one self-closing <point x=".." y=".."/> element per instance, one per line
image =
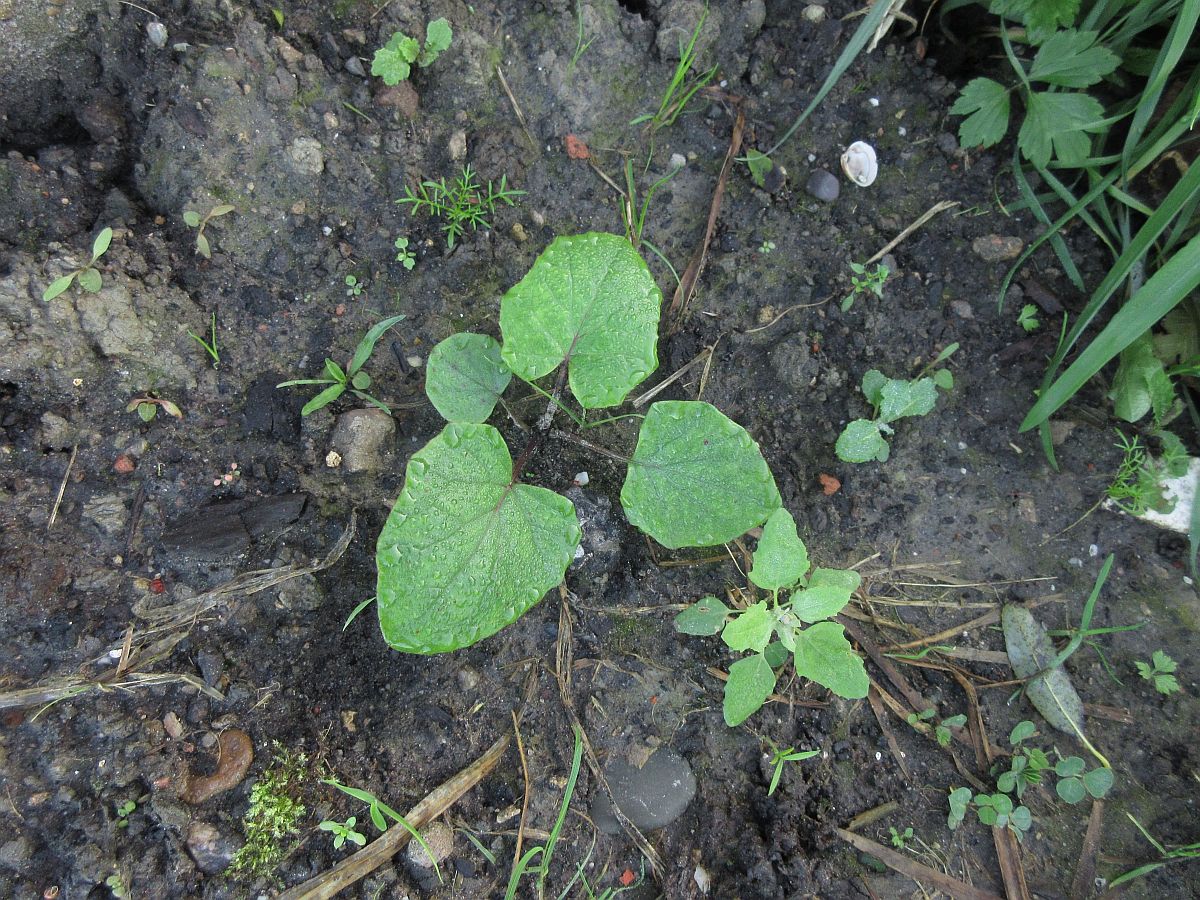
<point x="679" y="90"/>
<point x="1028" y="318"/>
<point x="782" y="755"/>
<point x="869" y="282"/>
<point x="1159" y="670"/>
<point x="193" y="219"/>
<point x="88" y="275"/>
<point x="900" y="838"/>
<point x="941" y="732"/>
<point x="147" y="407"/>
<point x="343" y="832"/>
<point x="404" y="256"/>
<point x="352" y="378"/>
<point x="354" y="287"/>
<point x="461" y="203"/>
<point x="394" y="60"/>
<point x="210" y="346"/>
<point x="124" y="811"/>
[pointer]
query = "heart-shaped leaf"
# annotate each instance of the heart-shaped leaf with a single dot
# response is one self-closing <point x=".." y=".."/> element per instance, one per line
<point x="466" y="550"/>
<point x="704" y="617"/>
<point x="589" y="301"/>
<point x="696" y="478"/>
<point x="750" y="683"/>
<point x="465" y="376"/>
<point x="781" y="559"/>
<point x="825" y="656"/>
<point x="1029" y="652"/>
<point x="1098" y="782"/>
<point x="1071" y="790"/>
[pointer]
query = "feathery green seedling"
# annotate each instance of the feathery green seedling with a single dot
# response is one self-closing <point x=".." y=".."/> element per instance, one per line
<point x="462" y="203"/>
<point x="273" y="818"/>
<point x="1160" y="670"/>
<point x="352" y="378"/>
<point x="88" y="275"/>
<point x="193" y="219"/>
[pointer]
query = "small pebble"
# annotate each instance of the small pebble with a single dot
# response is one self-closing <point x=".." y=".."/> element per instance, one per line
<point x="997" y="247"/>
<point x="157" y="32"/>
<point x="823" y="185"/>
<point x="355" y="67"/>
<point x="678" y="160"/>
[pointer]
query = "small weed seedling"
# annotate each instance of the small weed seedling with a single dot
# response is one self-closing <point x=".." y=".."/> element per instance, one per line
<point x="892" y="398"/>
<point x="1159" y="670"/>
<point x="1074" y="784"/>
<point x="759" y="164"/>
<point x="766" y="247"/>
<point x="378" y="810"/>
<point x="394" y="60"/>
<point x="900" y="839"/>
<point x="352" y="378"/>
<point x="116" y="884"/>
<point x="404" y="256"/>
<point x="679" y="90"/>
<point x="354" y="287"/>
<point x="782" y="755"/>
<point x="147" y="407"/>
<point x="994" y="810"/>
<point x="865" y="282"/>
<point x="273" y="818"/>
<point x="581" y="45"/>
<point x="460" y="203"/>
<point x="88" y="276"/>
<point x="124" y="811"/>
<point x="772" y="631"/>
<point x="1028" y="318"/>
<point x="210" y="346"/>
<point x="194" y="220"/>
<point x="1165" y="856"/>
<point x="1028" y="763"/>
<point x="941" y="731"/>
<point x="1138" y="485"/>
<point x="344" y="831"/>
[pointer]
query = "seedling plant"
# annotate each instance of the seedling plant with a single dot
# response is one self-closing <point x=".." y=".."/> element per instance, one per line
<point x="891" y="398"/>
<point x="681" y="88"/>
<point x="1160" y="670"/>
<point x="469" y="547"/>
<point x="404" y="256"/>
<point x="1028" y="319"/>
<point x="344" y="831"/>
<point x="354" y="287"/>
<point x="900" y="839"/>
<point x="195" y="220"/>
<point x="865" y="283"/>
<point x="1137" y="487"/>
<point x="88" y="276"/>
<point x="393" y="61"/>
<point x="273" y="818"/>
<point x="461" y="203"/>
<point x="379" y="813"/>
<point x="780" y="756"/>
<point x="352" y="378"/>
<point x="147" y="407"/>
<point x="210" y="345"/>
<point x="942" y="730"/>
<point x="124" y="811"/>
<point x="773" y="631"/>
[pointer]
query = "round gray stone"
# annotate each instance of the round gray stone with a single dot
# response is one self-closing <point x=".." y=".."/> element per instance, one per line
<point x="651" y="797"/>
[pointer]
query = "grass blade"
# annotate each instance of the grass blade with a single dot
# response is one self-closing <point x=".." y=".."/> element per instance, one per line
<point x="367" y="345"/>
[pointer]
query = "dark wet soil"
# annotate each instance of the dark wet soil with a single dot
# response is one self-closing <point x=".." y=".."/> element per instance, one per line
<point x="126" y="543"/>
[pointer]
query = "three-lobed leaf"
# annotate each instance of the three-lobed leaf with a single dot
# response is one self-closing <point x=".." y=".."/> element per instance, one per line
<point x="781" y="559"/>
<point x="465" y="376"/>
<point x="1056" y="125"/>
<point x="750" y="683"/>
<point x="590" y="301"/>
<point x="696" y="478"/>
<point x="986" y="105"/>
<point x="1071" y="58"/>
<point x="466" y="549"/>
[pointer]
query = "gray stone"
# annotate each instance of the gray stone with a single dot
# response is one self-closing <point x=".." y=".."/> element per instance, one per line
<point x="211" y="850"/>
<point x="823" y="185"/>
<point x="457" y="147"/>
<point x="355" y="67"/>
<point x="600" y="548"/>
<point x="678" y="23"/>
<point x="57" y="432"/>
<point x="651" y="797"/>
<point x="363" y="438"/>
<point x="108" y="512"/>
<point x="440" y="839"/>
<point x="306" y="156"/>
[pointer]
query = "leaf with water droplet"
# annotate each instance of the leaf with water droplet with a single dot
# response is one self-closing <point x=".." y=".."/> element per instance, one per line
<point x="781" y="558"/>
<point x="465" y="377"/>
<point x="696" y="478"/>
<point x="466" y="551"/>
<point x="824" y="655"/>
<point x="588" y="300"/>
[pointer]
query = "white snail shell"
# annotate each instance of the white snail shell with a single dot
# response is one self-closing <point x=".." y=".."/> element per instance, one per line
<point x="859" y="164"/>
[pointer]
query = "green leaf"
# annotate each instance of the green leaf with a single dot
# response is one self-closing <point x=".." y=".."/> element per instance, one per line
<point x="776" y="654"/>
<point x="222" y="209"/>
<point x="1098" y="782"/>
<point x="438" y="35"/>
<point x="367" y="345"/>
<point x="393" y="61"/>
<point x="101" y="244"/>
<point x="1162" y="662"/>
<point x="1069" y="767"/>
<point x="1166" y="684"/>
<point x="361" y="380"/>
<point x="146" y="411"/>
<point x="872" y="386"/>
<point x="465" y="377"/>
<point x="1071" y="790"/>
<point x="696" y="478"/>
<point x="334" y="371"/>
<point x="202" y="246"/>
<point x="827" y="593"/>
<point x="860" y="442"/>
<point x="192" y="218"/>
<point x="825" y="656"/>
<point x="750" y="683"/>
<point x="1141" y="382"/>
<point x="89" y="280"/>
<point x="943" y="379"/>
<point x="1029" y="652"/>
<point x="759" y="164"/>
<point x="1038" y="15"/>
<point x="57" y="286"/>
<point x="588" y="300"/>
<point x="466" y="550"/>
<point x="902" y="398"/>
<point x="705" y="617"/>
<point x="324" y="398"/>
<point x="985" y="103"/>
<point x="1056" y="125"/>
<point x="781" y="559"/>
<point x="1144" y="669"/>
<point x="1071" y="59"/>
<point x="751" y="630"/>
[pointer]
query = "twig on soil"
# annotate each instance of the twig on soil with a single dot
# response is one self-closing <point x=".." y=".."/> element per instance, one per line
<point x="563" y="653"/>
<point x="870" y="816"/>
<point x="990" y="618"/>
<point x="925" y="217"/>
<point x="675" y="376"/>
<point x="790" y="309"/>
<point x="528" y="787"/>
<point x="686" y="290"/>
<point x="516" y="106"/>
<point x="72" y="687"/>
<point x="877" y="709"/>
<point x="913" y="869"/>
<point x="1009" y="856"/>
<point x="392" y="841"/>
<point x="1085" y="872"/>
<point x="708" y="366"/>
<point x="62" y="487"/>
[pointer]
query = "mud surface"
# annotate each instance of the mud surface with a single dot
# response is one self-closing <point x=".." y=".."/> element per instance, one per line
<point x="120" y="536"/>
